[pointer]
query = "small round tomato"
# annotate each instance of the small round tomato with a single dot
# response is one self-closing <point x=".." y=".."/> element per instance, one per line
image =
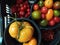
<point x="43" y="16"/>
<point x="56" y="5"/>
<point x="22" y="8"/>
<point x="52" y="22"/>
<point x="36" y="7"/>
<point x="21" y="13"/>
<point x="44" y="10"/>
<point x="40" y="3"/>
<point x="56" y="13"/>
<point x="48" y="3"/>
<point x="49" y="14"/>
<point x="44" y="23"/>
<point x="56" y="19"/>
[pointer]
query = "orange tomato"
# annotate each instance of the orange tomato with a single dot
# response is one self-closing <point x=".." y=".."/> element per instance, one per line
<point x="48" y="3"/>
<point x="49" y="14"/>
<point x="33" y="41"/>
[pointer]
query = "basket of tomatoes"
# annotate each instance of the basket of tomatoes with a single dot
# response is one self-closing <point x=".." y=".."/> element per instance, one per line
<point x="46" y="13"/>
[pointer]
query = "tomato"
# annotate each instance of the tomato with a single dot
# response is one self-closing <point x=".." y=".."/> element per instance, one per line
<point x="24" y="34"/>
<point x="43" y="16"/>
<point x="56" y="13"/>
<point x="40" y="3"/>
<point x="13" y="29"/>
<point x="36" y="7"/>
<point x="28" y="10"/>
<point x="25" y="6"/>
<point x="33" y="41"/>
<point x="22" y="8"/>
<point x="49" y="14"/>
<point x="36" y="15"/>
<point x="56" y="19"/>
<point x="44" y="10"/>
<point x="52" y="22"/>
<point x="56" y="5"/>
<point x="48" y="3"/>
<point x="44" y="23"/>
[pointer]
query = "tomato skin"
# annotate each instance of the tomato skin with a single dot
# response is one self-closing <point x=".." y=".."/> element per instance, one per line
<point x="44" y="10"/>
<point x="49" y="14"/>
<point x="36" y="7"/>
<point x="48" y="3"/>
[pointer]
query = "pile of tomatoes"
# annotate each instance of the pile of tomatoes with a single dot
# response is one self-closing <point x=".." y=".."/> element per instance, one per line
<point x="47" y="12"/>
<point x="21" y="8"/>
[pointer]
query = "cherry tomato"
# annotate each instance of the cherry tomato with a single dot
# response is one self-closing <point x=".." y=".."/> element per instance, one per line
<point x="25" y="6"/>
<point x="28" y="10"/>
<point x="44" y="10"/>
<point x="52" y="22"/>
<point x="49" y="14"/>
<point x="56" y="5"/>
<point x="43" y="16"/>
<point x="21" y="13"/>
<point x="22" y="8"/>
<point x="36" y="7"/>
<point x="48" y="3"/>
<point x="56" y="19"/>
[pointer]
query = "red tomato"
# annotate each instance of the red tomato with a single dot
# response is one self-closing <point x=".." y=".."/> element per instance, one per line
<point x="22" y="8"/>
<point x="21" y="13"/>
<point x="25" y="6"/>
<point x="44" y="10"/>
<point x="28" y="10"/>
<point x="43" y="16"/>
<point x="52" y="22"/>
<point x="56" y="19"/>
<point x="36" y="7"/>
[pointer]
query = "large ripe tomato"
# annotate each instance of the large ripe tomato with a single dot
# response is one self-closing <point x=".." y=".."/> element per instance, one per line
<point x="33" y="41"/>
<point x="13" y="29"/>
<point x="26" y="33"/>
<point x="48" y="3"/>
<point x="22" y="35"/>
<point x="36" y="7"/>
<point x="49" y="14"/>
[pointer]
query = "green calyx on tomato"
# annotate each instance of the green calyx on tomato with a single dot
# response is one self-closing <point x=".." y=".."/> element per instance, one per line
<point x="44" y="23"/>
<point x="56" y="13"/>
<point x="36" y="15"/>
<point x="40" y="3"/>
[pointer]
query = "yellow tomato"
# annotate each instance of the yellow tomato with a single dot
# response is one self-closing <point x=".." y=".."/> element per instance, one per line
<point x="33" y="41"/>
<point x="25" y="34"/>
<point x="48" y="3"/>
<point x="49" y="14"/>
<point x="13" y="29"/>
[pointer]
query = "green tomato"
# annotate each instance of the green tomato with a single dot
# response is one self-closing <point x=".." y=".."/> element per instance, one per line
<point x="56" y="13"/>
<point x="44" y="23"/>
<point x="40" y="3"/>
<point x="36" y="15"/>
